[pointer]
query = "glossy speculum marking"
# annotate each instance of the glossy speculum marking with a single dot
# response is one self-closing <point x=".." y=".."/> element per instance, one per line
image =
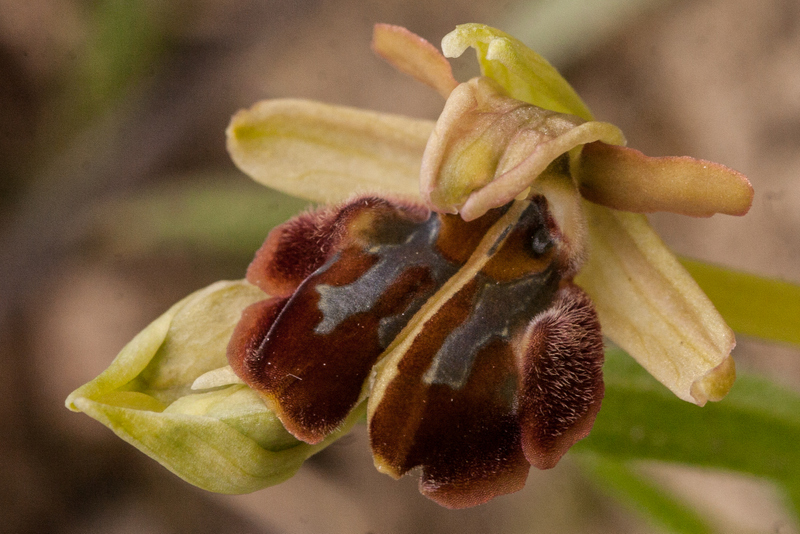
<point x="411" y="248"/>
<point x="473" y="324"/>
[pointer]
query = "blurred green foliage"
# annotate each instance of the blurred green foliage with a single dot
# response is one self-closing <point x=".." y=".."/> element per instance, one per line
<point x="752" y="305"/>
<point x="755" y="430"/>
<point x="125" y="41"/>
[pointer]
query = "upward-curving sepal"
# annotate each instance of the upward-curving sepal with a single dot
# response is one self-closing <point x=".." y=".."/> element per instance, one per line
<point x="523" y="73"/>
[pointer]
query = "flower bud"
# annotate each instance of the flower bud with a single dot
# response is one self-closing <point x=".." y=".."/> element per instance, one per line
<point x="222" y="439"/>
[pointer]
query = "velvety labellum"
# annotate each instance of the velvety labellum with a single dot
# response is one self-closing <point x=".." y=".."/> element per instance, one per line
<point x="459" y="318"/>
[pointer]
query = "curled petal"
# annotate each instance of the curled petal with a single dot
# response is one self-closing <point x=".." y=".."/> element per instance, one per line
<point x="487" y="148"/>
<point x="324" y="153"/>
<point x="511" y="183"/>
<point x="523" y="73"/>
<point x="411" y="54"/>
<point x="625" y="179"/>
<point x="651" y="307"/>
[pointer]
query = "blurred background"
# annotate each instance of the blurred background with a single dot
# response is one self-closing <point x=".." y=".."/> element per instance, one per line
<point x="117" y="198"/>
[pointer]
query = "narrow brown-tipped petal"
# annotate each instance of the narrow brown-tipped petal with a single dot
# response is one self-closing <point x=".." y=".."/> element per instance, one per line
<point x="625" y="179"/>
<point x="411" y="54"/>
<point x="324" y="153"/>
<point x="560" y="360"/>
<point x="651" y="307"/>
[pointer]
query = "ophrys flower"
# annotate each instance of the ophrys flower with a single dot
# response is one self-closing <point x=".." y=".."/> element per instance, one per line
<point x="458" y="314"/>
<point x="476" y="351"/>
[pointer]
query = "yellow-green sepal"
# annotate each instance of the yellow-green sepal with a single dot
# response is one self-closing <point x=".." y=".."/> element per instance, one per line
<point x="523" y="73"/>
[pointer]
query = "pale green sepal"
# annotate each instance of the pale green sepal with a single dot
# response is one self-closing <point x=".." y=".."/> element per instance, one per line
<point x="523" y="73"/>
<point x="202" y="450"/>
<point x="325" y="153"/>
<point x="223" y="439"/>
<point x="205" y="451"/>
<point x="240" y="407"/>
<point x="650" y="306"/>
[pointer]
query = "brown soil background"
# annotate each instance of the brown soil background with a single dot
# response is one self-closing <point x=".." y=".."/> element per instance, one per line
<point x="714" y="79"/>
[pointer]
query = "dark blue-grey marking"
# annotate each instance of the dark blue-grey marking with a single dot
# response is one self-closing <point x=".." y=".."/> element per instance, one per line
<point x="337" y="303"/>
<point x="497" y="309"/>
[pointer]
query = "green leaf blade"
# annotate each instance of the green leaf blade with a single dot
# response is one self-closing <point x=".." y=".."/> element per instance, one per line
<point x="621" y="482"/>
<point x="751" y="305"/>
<point x="755" y="430"/>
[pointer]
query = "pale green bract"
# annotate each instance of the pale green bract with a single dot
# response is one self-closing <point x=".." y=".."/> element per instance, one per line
<point x="223" y="439"/>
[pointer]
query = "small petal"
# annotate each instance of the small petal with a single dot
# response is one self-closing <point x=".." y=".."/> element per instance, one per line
<point x="487" y="148"/>
<point x="324" y="153"/>
<point x="224" y="376"/>
<point x="651" y="307"/>
<point x="625" y="179"/>
<point x="224" y="440"/>
<point x="523" y="73"/>
<point x="411" y="54"/>
<point x="239" y="407"/>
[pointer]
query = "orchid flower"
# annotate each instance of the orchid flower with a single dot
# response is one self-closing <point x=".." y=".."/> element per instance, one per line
<point x="454" y="287"/>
